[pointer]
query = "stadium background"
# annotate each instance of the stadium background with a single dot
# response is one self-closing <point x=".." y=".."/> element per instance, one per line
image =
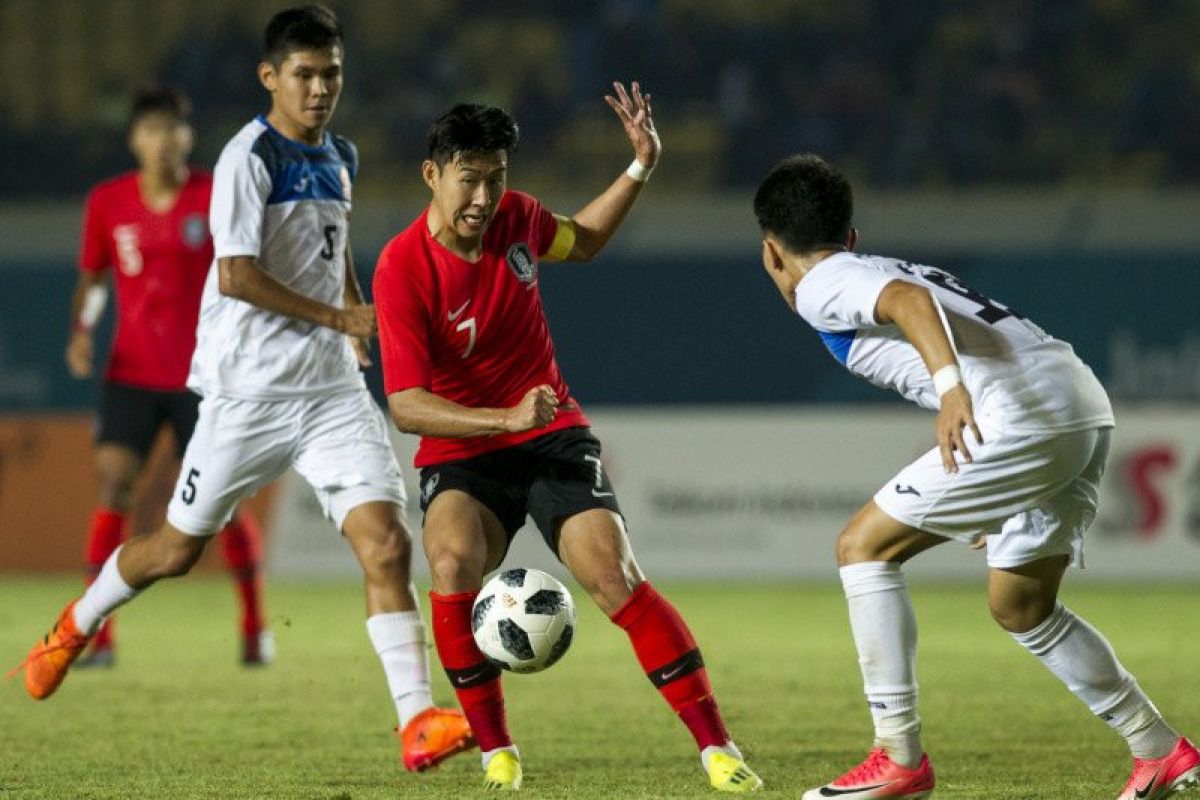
<point x="1045" y="152"/>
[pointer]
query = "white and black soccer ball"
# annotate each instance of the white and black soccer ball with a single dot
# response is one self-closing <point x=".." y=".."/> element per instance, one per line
<point x="523" y="620"/>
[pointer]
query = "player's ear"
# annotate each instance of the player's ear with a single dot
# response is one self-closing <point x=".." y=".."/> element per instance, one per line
<point x="268" y="76"/>
<point x="852" y="240"/>
<point x="430" y="173"/>
<point x="772" y="259"/>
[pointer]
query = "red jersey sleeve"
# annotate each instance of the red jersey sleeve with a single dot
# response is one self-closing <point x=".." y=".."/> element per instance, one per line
<point x="543" y="225"/>
<point x="94" y="255"/>
<point x="402" y="307"/>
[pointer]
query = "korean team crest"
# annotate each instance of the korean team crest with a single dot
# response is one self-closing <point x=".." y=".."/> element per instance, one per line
<point x="194" y="230"/>
<point x="521" y="262"/>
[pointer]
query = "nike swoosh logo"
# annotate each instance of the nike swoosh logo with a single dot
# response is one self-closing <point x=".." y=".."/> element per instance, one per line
<point x="610" y="494"/>
<point x="666" y="676"/>
<point x="906" y="490"/>
<point x="461" y="679"/>
<point x="829" y="791"/>
<point x="453" y="315"/>
<point x="1145" y="790"/>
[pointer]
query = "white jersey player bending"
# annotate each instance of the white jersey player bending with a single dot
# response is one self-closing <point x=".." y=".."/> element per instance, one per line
<point x="281" y="323"/>
<point x="1027" y="473"/>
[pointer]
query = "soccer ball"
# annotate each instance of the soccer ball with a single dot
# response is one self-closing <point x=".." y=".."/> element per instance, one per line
<point x="523" y="620"/>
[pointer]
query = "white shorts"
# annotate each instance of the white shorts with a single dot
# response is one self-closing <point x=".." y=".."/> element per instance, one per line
<point x="1034" y="496"/>
<point x="338" y="443"/>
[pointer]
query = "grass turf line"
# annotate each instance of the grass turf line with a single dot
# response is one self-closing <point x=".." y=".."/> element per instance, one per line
<point x="179" y="718"/>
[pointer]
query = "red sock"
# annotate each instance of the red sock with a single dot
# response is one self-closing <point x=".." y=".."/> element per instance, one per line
<point x="476" y="680"/>
<point x="668" y="654"/>
<point x="104" y="536"/>
<point x="241" y="543"/>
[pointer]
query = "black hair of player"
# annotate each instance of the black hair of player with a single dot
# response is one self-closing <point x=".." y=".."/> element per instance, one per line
<point x="805" y="203"/>
<point x="311" y="27"/>
<point x="471" y="128"/>
<point x="160" y="100"/>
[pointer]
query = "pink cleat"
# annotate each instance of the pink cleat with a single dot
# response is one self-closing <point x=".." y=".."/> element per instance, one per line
<point x="1160" y="778"/>
<point x="879" y="777"/>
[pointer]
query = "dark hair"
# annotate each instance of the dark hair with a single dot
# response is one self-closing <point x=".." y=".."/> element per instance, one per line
<point x="471" y="128"/>
<point x="805" y="203"/>
<point x="160" y="100"/>
<point x="311" y="27"/>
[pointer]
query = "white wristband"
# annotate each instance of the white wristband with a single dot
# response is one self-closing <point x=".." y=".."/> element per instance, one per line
<point x="639" y="173"/>
<point x="946" y="379"/>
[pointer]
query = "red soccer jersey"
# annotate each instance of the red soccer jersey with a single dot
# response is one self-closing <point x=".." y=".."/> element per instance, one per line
<point x="475" y="334"/>
<point x="161" y="261"/>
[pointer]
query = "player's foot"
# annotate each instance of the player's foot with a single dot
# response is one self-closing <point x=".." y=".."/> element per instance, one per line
<point x="258" y="649"/>
<point x="879" y="777"/>
<point x="503" y="772"/>
<point x="434" y="735"/>
<point x="98" y="658"/>
<point x="48" y="661"/>
<point x="727" y="773"/>
<point x="1159" y="778"/>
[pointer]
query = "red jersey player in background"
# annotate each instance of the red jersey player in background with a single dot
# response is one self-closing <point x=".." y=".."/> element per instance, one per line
<point x="469" y="365"/>
<point x="151" y="228"/>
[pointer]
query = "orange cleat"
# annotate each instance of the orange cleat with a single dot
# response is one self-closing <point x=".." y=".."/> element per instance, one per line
<point x="432" y="736"/>
<point x="48" y="661"/>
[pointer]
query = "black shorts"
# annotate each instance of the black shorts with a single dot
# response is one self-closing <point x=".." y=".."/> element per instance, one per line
<point x="550" y="478"/>
<point x="132" y="416"/>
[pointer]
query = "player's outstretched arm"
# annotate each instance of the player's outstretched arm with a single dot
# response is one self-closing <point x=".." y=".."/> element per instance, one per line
<point x="241" y="277"/>
<point x="916" y="312"/>
<point x="422" y="412"/>
<point x="596" y="222"/>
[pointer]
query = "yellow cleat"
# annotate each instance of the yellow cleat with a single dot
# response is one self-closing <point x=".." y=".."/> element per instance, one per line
<point x="503" y="772"/>
<point x="729" y="774"/>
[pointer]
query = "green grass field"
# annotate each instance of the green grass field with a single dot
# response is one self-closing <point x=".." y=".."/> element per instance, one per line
<point x="179" y="718"/>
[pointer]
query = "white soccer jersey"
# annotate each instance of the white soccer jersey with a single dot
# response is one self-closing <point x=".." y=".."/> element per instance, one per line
<point x="1021" y="380"/>
<point x="286" y="204"/>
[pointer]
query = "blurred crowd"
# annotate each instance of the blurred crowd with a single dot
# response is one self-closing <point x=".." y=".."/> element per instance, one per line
<point x="902" y="93"/>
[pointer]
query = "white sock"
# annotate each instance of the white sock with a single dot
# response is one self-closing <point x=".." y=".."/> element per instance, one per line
<point x="1083" y="659"/>
<point x="486" y="755"/>
<point x="885" y="633"/>
<point x="399" y="639"/>
<point x="106" y="594"/>
<point x="729" y="749"/>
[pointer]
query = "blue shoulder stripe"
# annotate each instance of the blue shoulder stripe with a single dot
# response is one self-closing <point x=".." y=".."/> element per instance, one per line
<point x="299" y="172"/>
<point x="838" y="343"/>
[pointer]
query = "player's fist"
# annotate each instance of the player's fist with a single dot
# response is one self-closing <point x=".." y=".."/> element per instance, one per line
<point x="536" y="410"/>
<point x="79" y="354"/>
<point x="357" y="321"/>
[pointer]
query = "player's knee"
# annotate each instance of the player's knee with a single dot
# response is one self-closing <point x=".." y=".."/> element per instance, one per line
<point x="453" y="568"/>
<point x="176" y="558"/>
<point x="390" y="551"/>
<point x="851" y="547"/>
<point x="1019" y="614"/>
<point x="115" y="490"/>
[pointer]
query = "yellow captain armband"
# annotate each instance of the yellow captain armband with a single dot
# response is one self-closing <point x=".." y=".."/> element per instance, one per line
<point x="564" y="240"/>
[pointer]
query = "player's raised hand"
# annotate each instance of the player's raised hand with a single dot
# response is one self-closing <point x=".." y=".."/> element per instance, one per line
<point x="79" y="354"/>
<point x="357" y="321"/>
<point x="956" y="415"/>
<point x="537" y="409"/>
<point x="633" y="109"/>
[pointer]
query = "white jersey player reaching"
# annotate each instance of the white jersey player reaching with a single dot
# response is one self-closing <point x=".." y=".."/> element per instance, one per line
<point x="1023" y="433"/>
<point x="281" y="322"/>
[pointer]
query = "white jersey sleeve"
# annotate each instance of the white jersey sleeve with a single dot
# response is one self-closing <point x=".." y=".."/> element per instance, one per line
<point x="841" y="299"/>
<point x="241" y="185"/>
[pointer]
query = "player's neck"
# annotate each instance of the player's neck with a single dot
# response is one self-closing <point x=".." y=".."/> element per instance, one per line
<point x="445" y="235"/>
<point x="160" y="188"/>
<point x="313" y="137"/>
